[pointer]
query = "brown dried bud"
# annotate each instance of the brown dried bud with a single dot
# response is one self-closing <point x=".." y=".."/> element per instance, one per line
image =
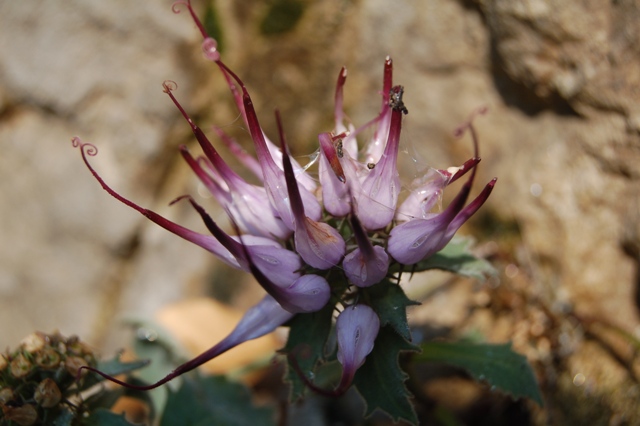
<point x="48" y="358"/>
<point x="73" y="364"/>
<point x="33" y="342"/>
<point x="6" y="395"/>
<point x="20" y="366"/>
<point x="3" y="362"/>
<point x="25" y="415"/>
<point x="47" y="393"/>
<point x="77" y="347"/>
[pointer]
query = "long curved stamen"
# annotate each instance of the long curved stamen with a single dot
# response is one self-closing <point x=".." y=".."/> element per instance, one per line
<point x="418" y="239"/>
<point x="261" y="319"/>
<point x="196" y="20"/>
<point x="238" y="187"/>
<point x="274" y="180"/>
<point x="203" y="141"/>
<point x="335" y="190"/>
<point x="412" y="241"/>
<point x="319" y="244"/>
<point x="338" y="112"/>
<point x="241" y="154"/>
<point x="206" y="242"/>
<point x="428" y="191"/>
<point x="376" y="146"/>
<point x="276" y="270"/>
<point x="380" y="189"/>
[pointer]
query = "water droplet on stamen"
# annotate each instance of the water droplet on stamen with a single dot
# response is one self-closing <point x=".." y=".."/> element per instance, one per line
<point x="210" y="49"/>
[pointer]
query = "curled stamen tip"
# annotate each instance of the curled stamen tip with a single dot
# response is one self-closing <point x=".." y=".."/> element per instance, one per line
<point x="86" y="148"/>
<point x="344" y="72"/>
<point x="210" y="49"/>
<point x="463" y="127"/>
<point x="387" y="60"/>
<point x="169" y="86"/>
<point x="175" y="6"/>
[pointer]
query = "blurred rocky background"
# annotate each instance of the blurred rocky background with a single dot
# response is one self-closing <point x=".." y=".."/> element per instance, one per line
<point x="560" y="80"/>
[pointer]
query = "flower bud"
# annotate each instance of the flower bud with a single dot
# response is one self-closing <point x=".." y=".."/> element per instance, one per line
<point x="47" y="358"/>
<point x="20" y="366"/>
<point x="25" y="415"/>
<point x="73" y="364"/>
<point x="6" y="394"/>
<point x="47" y="393"/>
<point x="357" y="328"/>
<point x="33" y="343"/>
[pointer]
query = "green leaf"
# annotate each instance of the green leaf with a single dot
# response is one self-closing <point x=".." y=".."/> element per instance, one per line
<point x="380" y="380"/>
<point x="115" y="366"/>
<point x="103" y="417"/>
<point x="163" y="354"/>
<point x="498" y="365"/>
<point x="457" y="257"/>
<point x="308" y="335"/>
<point x="390" y="303"/>
<point x="213" y="401"/>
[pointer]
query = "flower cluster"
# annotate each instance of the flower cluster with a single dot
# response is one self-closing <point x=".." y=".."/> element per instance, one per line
<point x="312" y="243"/>
<point x="38" y="380"/>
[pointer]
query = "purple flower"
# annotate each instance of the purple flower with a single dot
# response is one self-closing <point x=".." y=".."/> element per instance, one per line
<point x="308" y="241"/>
<point x="356" y="328"/>
<point x="261" y="319"/>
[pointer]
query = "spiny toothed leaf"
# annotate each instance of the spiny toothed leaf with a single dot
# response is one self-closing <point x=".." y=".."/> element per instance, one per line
<point x="457" y="257"/>
<point x="380" y="380"/>
<point x="390" y="303"/>
<point x="308" y="335"/>
<point x="498" y="365"/>
<point x="213" y="401"/>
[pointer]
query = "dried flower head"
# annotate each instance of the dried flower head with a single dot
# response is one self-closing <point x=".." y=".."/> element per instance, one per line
<point x="35" y="385"/>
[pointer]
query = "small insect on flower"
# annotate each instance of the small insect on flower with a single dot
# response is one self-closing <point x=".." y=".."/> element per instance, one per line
<point x="395" y="99"/>
<point x="338" y="145"/>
